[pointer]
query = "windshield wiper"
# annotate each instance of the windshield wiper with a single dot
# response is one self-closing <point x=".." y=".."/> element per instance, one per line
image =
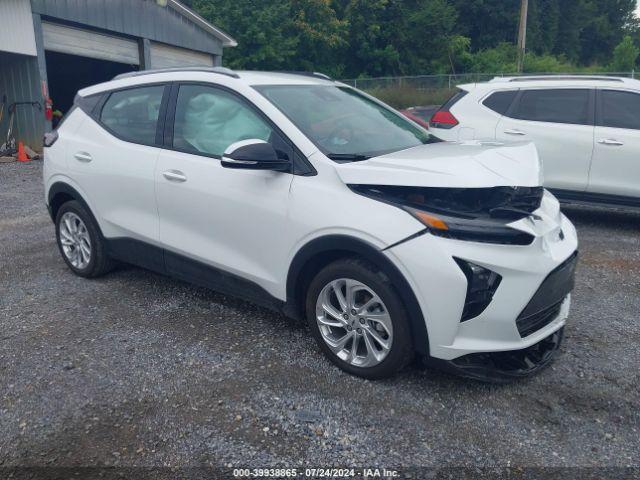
<point x="348" y="157"/>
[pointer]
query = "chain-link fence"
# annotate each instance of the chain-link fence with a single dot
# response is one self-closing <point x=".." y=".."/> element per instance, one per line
<point x="422" y="90"/>
<point x="450" y="81"/>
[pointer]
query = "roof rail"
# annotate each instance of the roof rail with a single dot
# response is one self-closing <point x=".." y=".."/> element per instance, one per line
<point x="219" y="70"/>
<point x="562" y="78"/>
<point x="311" y="74"/>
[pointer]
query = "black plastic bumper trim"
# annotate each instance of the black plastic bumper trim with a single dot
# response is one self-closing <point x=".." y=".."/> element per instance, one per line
<point x="545" y="304"/>
<point x="503" y="367"/>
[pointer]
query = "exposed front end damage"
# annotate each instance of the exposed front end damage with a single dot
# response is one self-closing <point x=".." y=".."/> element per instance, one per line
<point x="472" y="214"/>
<point x="503" y="367"/>
<point x="493" y="268"/>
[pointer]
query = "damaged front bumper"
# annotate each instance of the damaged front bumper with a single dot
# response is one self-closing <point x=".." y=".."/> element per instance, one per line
<point x="515" y="332"/>
<point x="503" y="367"/>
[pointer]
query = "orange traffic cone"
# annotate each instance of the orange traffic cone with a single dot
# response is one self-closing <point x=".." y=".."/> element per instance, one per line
<point x="22" y="155"/>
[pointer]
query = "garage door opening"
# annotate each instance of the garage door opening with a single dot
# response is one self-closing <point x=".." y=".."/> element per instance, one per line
<point x="69" y="73"/>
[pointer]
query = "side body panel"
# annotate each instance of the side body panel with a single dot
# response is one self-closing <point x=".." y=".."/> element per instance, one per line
<point x="118" y="178"/>
<point x="565" y="150"/>
<point x="235" y="220"/>
<point x="252" y="223"/>
<point x="615" y="169"/>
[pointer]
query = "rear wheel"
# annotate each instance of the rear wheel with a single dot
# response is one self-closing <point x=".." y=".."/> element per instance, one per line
<point x="80" y="242"/>
<point x="358" y="319"/>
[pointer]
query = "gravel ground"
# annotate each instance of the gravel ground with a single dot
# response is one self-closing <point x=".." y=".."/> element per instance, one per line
<point x="135" y="369"/>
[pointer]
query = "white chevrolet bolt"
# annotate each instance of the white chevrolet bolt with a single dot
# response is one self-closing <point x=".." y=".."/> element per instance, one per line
<point x="586" y="129"/>
<point x="309" y="197"/>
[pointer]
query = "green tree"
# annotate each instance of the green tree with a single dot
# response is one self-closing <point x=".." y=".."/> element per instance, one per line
<point x="605" y="27"/>
<point x="543" y="26"/>
<point x="262" y="29"/>
<point x="360" y="38"/>
<point x="625" y="56"/>
<point x="487" y="22"/>
<point x="321" y="36"/>
<point x="432" y="32"/>
<point x="372" y="37"/>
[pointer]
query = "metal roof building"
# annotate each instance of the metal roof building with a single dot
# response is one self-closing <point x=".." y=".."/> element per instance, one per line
<point x="53" y="48"/>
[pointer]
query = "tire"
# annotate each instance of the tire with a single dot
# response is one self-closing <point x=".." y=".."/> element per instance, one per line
<point x="90" y="263"/>
<point x="372" y="287"/>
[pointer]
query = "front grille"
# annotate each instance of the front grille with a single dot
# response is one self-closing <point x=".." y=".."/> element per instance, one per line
<point x="545" y="305"/>
<point x="530" y="325"/>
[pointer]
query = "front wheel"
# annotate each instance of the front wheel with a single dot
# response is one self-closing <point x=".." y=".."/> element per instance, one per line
<point x="359" y="320"/>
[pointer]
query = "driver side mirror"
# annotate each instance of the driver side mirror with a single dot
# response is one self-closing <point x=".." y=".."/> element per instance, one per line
<point x="254" y="154"/>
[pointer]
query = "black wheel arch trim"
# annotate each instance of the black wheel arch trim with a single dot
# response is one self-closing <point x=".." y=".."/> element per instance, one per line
<point x="60" y="187"/>
<point x="343" y="245"/>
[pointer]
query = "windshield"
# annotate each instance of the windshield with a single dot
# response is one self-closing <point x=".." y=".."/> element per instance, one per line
<point x="344" y="124"/>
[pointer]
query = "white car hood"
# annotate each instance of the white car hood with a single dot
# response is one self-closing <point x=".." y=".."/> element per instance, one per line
<point x="473" y="164"/>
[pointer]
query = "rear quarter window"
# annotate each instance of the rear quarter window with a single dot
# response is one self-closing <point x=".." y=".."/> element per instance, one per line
<point x="500" y="102"/>
<point x="455" y="98"/>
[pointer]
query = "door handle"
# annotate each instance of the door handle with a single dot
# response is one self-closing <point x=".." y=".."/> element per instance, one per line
<point x="83" y="157"/>
<point x="514" y="132"/>
<point x="175" y="176"/>
<point x="611" y="142"/>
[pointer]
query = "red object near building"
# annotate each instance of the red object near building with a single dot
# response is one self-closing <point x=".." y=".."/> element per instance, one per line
<point x="48" y="109"/>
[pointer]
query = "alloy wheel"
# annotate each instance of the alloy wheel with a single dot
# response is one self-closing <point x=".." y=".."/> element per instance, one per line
<point x="75" y="240"/>
<point x="354" y="322"/>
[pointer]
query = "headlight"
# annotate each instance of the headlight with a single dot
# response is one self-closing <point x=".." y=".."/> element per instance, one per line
<point x="472" y="230"/>
<point x="472" y="214"/>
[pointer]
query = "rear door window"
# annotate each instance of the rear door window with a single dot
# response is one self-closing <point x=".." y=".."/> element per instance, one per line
<point x="132" y="114"/>
<point x="500" y="102"/>
<point x="570" y="106"/>
<point x="619" y="109"/>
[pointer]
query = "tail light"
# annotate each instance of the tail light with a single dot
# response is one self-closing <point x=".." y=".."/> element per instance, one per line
<point x="443" y="119"/>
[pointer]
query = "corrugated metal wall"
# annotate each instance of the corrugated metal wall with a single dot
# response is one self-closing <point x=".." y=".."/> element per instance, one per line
<point x="20" y="81"/>
<point x="167" y="56"/>
<point x="88" y="43"/>
<point x="16" y="32"/>
<point x="137" y="18"/>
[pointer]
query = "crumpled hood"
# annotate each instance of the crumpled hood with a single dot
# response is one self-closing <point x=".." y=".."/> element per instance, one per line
<point x="473" y="164"/>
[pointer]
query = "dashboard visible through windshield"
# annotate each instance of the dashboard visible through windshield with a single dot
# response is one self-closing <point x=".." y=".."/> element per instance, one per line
<point x="344" y="124"/>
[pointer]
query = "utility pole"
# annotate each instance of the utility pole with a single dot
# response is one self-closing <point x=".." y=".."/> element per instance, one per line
<point x="522" y="35"/>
